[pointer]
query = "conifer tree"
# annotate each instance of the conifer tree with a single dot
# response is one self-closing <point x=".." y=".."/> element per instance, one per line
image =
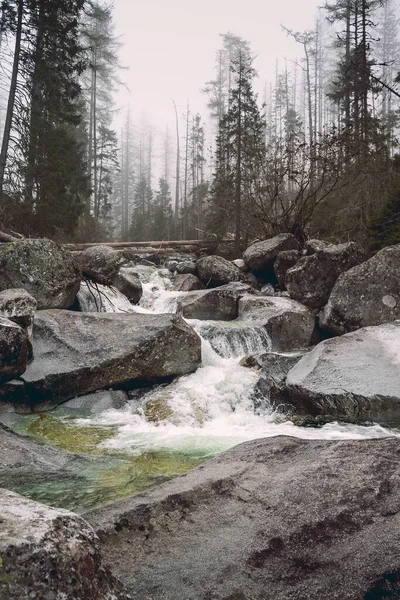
<point x="240" y="155"/>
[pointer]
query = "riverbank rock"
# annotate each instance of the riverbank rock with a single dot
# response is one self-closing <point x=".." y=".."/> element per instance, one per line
<point x="289" y="324"/>
<point x="260" y="257"/>
<point x="18" y="306"/>
<point x="130" y="285"/>
<point x="273" y="519"/>
<point x="186" y="267"/>
<point x="215" y="271"/>
<point x="14" y="350"/>
<point x="285" y="261"/>
<point x="186" y="283"/>
<point x="50" y="553"/>
<point x="77" y="353"/>
<point x="41" y="267"/>
<point x="367" y="294"/>
<point x="103" y="261"/>
<point x="311" y="280"/>
<point x="273" y="368"/>
<point x="353" y="378"/>
<point x="312" y="246"/>
<point x="218" y="304"/>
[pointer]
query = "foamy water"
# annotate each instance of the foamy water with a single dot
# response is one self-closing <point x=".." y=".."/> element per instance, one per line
<point x="212" y="409"/>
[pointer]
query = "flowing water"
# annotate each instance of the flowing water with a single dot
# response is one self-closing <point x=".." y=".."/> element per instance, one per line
<point x="165" y="430"/>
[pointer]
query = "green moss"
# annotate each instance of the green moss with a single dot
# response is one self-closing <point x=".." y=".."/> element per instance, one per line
<point x="68" y="436"/>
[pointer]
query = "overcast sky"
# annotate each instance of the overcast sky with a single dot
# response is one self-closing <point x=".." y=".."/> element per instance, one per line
<point x="170" y="45"/>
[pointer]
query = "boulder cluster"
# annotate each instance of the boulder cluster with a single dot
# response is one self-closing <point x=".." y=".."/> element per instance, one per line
<point x="278" y="518"/>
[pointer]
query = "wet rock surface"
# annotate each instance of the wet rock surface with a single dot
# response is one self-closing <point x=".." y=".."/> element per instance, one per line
<point x="279" y="519"/>
<point x="76" y="353"/>
<point x="312" y="278"/>
<point x="368" y="294"/>
<point x="354" y="378"/>
<point x="50" y="553"/>
<point x="101" y="260"/>
<point x="289" y="324"/>
<point x="130" y="285"/>
<point x="41" y="267"/>
<point x="219" y="304"/>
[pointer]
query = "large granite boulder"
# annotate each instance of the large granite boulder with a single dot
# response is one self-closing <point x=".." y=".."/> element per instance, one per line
<point x="218" y="304"/>
<point x="50" y="554"/>
<point x="130" y="285"/>
<point x="260" y="257"/>
<point x="311" y="280"/>
<point x="285" y="261"/>
<point x="289" y="324"/>
<point x="367" y="294"/>
<point x="103" y="261"/>
<point x="14" y="349"/>
<point x="272" y="368"/>
<point x="355" y="377"/>
<point x="215" y="271"/>
<point x="18" y="306"/>
<point x="273" y="519"/>
<point x="41" y="267"/>
<point x="77" y="353"/>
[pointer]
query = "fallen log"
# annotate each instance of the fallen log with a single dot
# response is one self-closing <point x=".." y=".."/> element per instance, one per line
<point x="156" y="245"/>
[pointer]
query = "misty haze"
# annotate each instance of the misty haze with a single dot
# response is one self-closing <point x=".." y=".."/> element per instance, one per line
<point x="199" y="300"/>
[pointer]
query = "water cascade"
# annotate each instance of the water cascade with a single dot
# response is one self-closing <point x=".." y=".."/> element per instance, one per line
<point x="173" y="427"/>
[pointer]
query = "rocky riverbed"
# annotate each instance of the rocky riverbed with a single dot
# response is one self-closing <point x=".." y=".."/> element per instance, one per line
<point x="115" y="388"/>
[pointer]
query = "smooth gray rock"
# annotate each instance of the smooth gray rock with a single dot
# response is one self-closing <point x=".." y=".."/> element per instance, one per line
<point x="285" y="261"/>
<point x="18" y="306"/>
<point x="98" y="402"/>
<point x="102" y="260"/>
<point x="14" y="350"/>
<point x="77" y="353"/>
<point x="50" y="554"/>
<point x="130" y="285"/>
<point x="215" y="270"/>
<point x="218" y="304"/>
<point x="289" y="324"/>
<point x="186" y="283"/>
<point x="260" y="257"/>
<point x="368" y="294"/>
<point x="311" y="280"/>
<point x="45" y="270"/>
<point x="273" y="519"/>
<point x="354" y="378"/>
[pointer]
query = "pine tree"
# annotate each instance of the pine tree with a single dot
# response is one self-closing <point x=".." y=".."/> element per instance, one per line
<point x="162" y="215"/>
<point x="142" y="212"/>
<point x="53" y="157"/>
<point x="240" y="155"/>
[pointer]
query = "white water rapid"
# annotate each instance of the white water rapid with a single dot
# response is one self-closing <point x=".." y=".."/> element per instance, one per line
<point x="210" y="410"/>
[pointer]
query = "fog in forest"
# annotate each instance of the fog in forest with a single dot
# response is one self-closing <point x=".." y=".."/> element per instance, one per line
<point x="155" y="121"/>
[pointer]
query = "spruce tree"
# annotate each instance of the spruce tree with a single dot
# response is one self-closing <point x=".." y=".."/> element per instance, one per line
<point x="240" y="155"/>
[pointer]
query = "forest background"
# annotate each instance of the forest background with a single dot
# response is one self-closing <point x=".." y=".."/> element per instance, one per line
<point x="315" y="154"/>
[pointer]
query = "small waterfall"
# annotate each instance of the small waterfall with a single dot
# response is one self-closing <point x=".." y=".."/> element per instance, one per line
<point x="233" y="338"/>
<point x="157" y="296"/>
<point x="99" y="298"/>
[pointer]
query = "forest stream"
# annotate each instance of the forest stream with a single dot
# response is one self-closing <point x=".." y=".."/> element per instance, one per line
<point x="162" y="431"/>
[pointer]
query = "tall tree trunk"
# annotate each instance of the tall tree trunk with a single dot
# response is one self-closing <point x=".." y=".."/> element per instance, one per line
<point x="11" y="96"/>
<point x="177" y="166"/>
